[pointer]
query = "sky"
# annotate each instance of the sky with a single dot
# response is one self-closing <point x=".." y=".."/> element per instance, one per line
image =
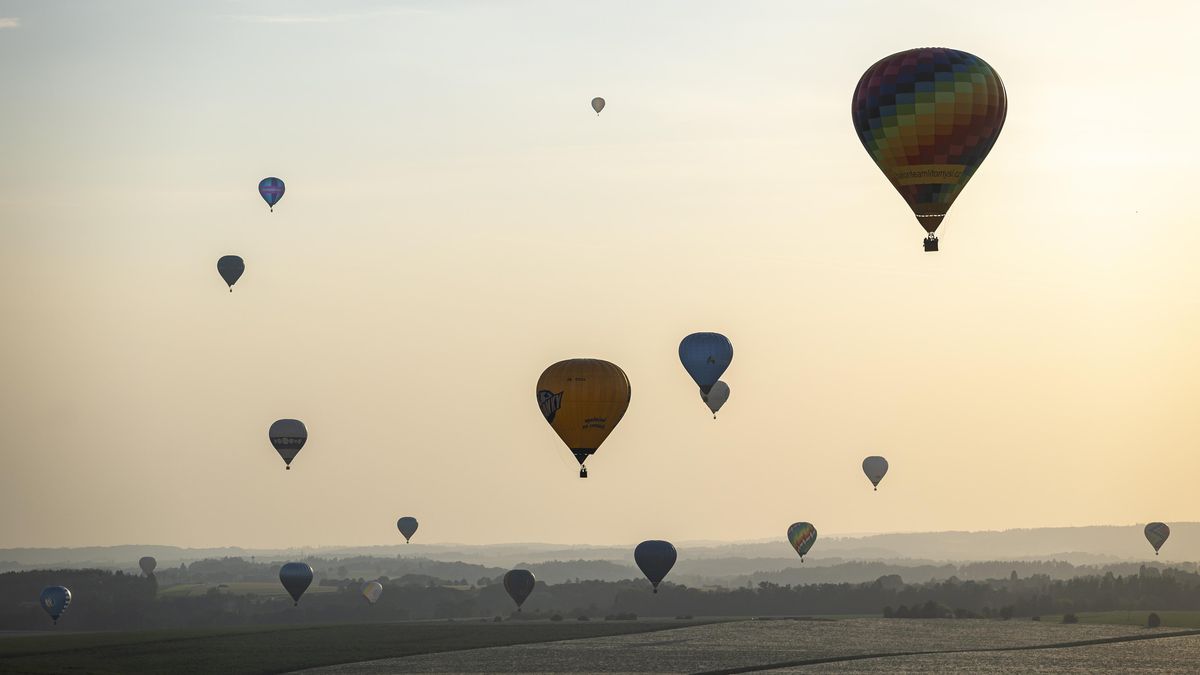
<point x="457" y="219"/>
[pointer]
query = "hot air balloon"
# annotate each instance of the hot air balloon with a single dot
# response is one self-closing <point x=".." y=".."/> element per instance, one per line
<point x="230" y="267"/>
<point x="55" y="600"/>
<point x="519" y="584"/>
<point x="716" y="397"/>
<point x="372" y="590"/>
<point x="928" y="117"/>
<point x="295" y="577"/>
<point x="408" y="527"/>
<point x="876" y="468"/>
<point x="705" y="356"/>
<point x="148" y="563"/>
<point x="597" y="104"/>
<point x="583" y="400"/>
<point x="288" y="437"/>
<point x="1156" y="534"/>
<point x="655" y="558"/>
<point x="802" y="536"/>
<point x="271" y="190"/>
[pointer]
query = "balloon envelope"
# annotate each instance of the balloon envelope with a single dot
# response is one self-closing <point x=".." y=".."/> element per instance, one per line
<point x="583" y="400"/>
<point x="372" y="590"/>
<point x="230" y="267"/>
<point x="1156" y="534"/>
<point x="271" y="190"/>
<point x="655" y="558"/>
<point x="148" y="563"/>
<point x="928" y="117"/>
<point x="519" y="584"/>
<point x="876" y="468"/>
<point x="705" y="356"/>
<point x="597" y="104"/>
<point x="55" y="600"/>
<point x="802" y="537"/>
<point x="295" y="577"/>
<point x="716" y="397"/>
<point x="288" y="437"/>
<point x="407" y="526"/>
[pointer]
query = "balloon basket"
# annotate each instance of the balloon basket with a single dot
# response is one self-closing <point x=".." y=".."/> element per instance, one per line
<point x="931" y="244"/>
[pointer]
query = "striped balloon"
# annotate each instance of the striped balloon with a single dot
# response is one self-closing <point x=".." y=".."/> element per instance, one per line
<point x="271" y="190"/>
<point x="802" y="536"/>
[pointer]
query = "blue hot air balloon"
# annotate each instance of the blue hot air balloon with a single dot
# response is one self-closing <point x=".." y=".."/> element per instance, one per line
<point x="230" y="267"/>
<point x="519" y="584"/>
<point x="655" y="558"/>
<point x="295" y="577"/>
<point x="407" y="526"/>
<point x="271" y="190"/>
<point x="705" y="356"/>
<point x="55" y="600"/>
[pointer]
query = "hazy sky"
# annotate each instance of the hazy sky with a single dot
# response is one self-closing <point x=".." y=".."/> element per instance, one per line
<point x="457" y="219"/>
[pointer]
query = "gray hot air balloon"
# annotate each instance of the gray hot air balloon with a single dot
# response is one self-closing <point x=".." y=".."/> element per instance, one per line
<point x="876" y="468"/>
<point x="408" y="527"/>
<point x="148" y="563"/>
<point x="655" y="558"/>
<point x="288" y="437"/>
<point x="1156" y="534"/>
<point x="230" y="267"/>
<point x="295" y="577"/>
<point x="519" y="584"/>
<point x="372" y="590"/>
<point x="597" y="104"/>
<point x="55" y="600"/>
<point x="716" y="397"/>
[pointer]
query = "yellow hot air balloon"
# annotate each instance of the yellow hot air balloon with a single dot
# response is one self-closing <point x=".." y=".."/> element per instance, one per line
<point x="583" y="400"/>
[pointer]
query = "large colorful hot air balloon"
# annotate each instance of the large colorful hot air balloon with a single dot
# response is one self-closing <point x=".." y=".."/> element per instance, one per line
<point x="876" y="468"/>
<point x="148" y="563"/>
<point x="1156" y="534"/>
<point x="716" y="397"/>
<point x="519" y="584"/>
<point x="928" y="117"/>
<point x="230" y="267"/>
<point x="271" y="190"/>
<point x="655" y="558"/>
<point x="802" y="537"/>
<point x="408" y="527"/>
<point x="583" y="400"/>
<point x="55" y="600"/>
<point x="288" y="437"/>
<point x="705" y="356"/>
<point x="295" y="577"/>
<point x="597" y="104"/>
<point x="371" y="591"/>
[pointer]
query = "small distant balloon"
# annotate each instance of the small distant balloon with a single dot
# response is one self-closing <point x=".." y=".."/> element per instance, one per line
<point x="148" y="563"/>
<point x="408" y="527"/>
<point x="230" y="267"/>
<point x="519" y="584"/>
<point x="876" y="468"/>
<point x="288" y="437"/>
<point x="372" y="590"/>
<point x="716" y="397"/>
<point x="655" y="558"/>
<point x="296" y="578"/>
<point x="802" y="537"/>
<point x="1156" y="534"/>
<point x="55" y="600"/>
<point x="271" y="190"/>
<point x="597" y="104"/>
<point x="705" y="356"/>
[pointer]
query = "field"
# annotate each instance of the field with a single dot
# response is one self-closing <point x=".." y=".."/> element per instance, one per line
<point x="266" y="588"/>
<point x="1170" y="618"/>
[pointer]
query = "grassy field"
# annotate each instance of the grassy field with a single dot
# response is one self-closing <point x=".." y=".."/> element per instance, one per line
<point x="238" y="588"/>
<point x="1170" y="618"/>
<point x="280" y="649"/>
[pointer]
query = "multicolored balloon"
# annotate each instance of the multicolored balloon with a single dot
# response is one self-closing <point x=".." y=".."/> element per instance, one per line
<point x="372" y="590"/>
<point x="802" y="537"/>
<point x="583" y="400"/>
<point x="296" y="578"/>
<point x="597" y="104"/>
<point x="716" y="397"/>
<point x="1156" y="534"/>
<point x="655" y="558"/>
<point x="55" y="600"/>
<point x="230" y="267"/>
<point x="928" y="117"/>
<point x="288" y="437"/>
<point x="271" y="190"/>
<point x="407" y="526"/>
<point x="876" y="468"/>
<point x="519" y="584"/>
<point x="705" y="356"/>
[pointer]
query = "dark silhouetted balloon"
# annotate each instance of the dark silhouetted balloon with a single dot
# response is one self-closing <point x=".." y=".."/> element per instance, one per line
<point x="597" y="104"/>
<point x="288" y="437"/>
<point x="655" y="558"/>
<point x="519" y="584"/>
<point x="271" y="190"/>
<point x="408" y="527"/>
<point x="1156" y="534"/>
<point x="55" y="600"/>
<point x="295" y="577"/>
<point x="230" y="267"/>
<point x="705" y="356"/>
<point x="583" y="400"/>
<point x="148" y="563"/>
<point x="716" y="397"/>
<point x="876" y="468"/>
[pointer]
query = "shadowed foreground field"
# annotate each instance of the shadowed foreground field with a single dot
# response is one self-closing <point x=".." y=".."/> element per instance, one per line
<point x="275" y="650"/>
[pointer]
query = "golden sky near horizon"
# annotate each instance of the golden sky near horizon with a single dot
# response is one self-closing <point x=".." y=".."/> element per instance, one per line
<point x="457" y="218"/>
